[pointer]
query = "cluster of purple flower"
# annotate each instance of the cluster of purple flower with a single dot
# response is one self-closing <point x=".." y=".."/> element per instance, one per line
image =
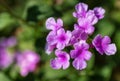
<point x="26" y="61"/>
<point x="5" y="57"/>
<point x="58" y="38"/>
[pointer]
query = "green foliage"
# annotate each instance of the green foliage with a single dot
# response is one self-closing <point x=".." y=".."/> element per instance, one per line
<point x="6" y="20"/>
<point x="3" y="77"/>
<point x="105" y="27"/>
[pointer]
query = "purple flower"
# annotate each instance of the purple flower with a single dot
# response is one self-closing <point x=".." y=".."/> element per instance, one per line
<point x="83" y="12"/>
<point x="58" y="38"/>
<point x="85" y="26"/>
<point x="5" y="58"/>
<point x="81" y="9"/>
<point x="102" y="45"/>
<point x="91" y="17"/>
<point x="51" y="24"/>
<point x="62" y="38"/>
<point x="61" y="61"/>
<point x="99" y="12"/>
<point x="78" y="35"/>
<point x="11" y="41"/>
<point x="27" y="61"/>
<point x="80" y="55"/>
<point x="79" y="64"/>
<point x="86" y="23"/>
<point x="3" y="42"/>
<point x="8" y="42"/>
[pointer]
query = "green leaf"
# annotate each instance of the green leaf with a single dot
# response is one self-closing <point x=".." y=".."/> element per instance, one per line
<point x="54" y="74"/>
<point x="14" y="72"/>
<point x="106" y="72"/>
<point x="117" y="40"/>
<point x="90" y="63"/>
<point x="26" y="38"/>
<point x="5" y="20"/>
<point x="115" y="15"/>
<point x="105" y="27"/>
<point x="3" y="77"/>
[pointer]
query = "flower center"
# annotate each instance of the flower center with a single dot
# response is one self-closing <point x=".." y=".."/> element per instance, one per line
<point x="62" y="38"/>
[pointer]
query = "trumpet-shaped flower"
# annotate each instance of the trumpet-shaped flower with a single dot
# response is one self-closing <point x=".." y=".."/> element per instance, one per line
<point x="103" y="45"/>
<point x="62" y="38"/>
<point x="61" y="61"/>
<point x="80" y="54"/>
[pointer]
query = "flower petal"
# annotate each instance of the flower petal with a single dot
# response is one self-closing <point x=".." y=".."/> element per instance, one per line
<point x="68" y="35"/>
<point x="55" y="64"/>
<point x="81" y="7"/>
<point x="89" y="29"/>
<point x="60" y="46"/>
<point x="106" y="40"/>
<point x="60" y="22"/>
<point x="66" y="65"/>
<point x="79" y="64"/>
<point x="91" y="17"/>
<point x="82" y="22"/>
<point x="111" y="49"/>
<point x="99" y="12"/>
<point x="60" y="31"/>
<point x="87" y="55"/>
<point x="49" y="48"/>
<point x="50" y="23"/>
<point x="51" y="38"/>
<point x="97" y="44"/>
<point x="83" y="36"/>
<point x="73" y="54"/>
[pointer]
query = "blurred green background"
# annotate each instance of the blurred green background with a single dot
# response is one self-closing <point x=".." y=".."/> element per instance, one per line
<point x="25" y="19"/>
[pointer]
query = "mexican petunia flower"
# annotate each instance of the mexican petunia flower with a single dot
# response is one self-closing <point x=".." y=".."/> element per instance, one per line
<point x="51" y="24"/>
<point x="103" y="45"/>
<point x="5" y="58"/>
<point x="80" y="54"/>
<point x="27" y="61"/>
<point x="61" y="61"/>
<point x="58" y="39"/>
